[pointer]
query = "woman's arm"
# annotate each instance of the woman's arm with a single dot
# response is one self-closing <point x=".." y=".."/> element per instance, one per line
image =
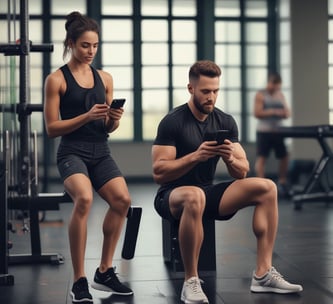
<point x="112" y="120"/>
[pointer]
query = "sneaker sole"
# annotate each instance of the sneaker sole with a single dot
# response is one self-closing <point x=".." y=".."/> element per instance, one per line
<point x="182" y="298"/>
<point x="272" y="289"/>
<point x="102" y="287"/>
<point x="84" y="300"/>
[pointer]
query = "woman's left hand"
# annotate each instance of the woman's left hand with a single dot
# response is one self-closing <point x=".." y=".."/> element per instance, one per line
<point x="115" y="114"/>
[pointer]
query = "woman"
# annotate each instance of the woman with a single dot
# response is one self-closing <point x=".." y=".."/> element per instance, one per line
<point x="81" y="96"/>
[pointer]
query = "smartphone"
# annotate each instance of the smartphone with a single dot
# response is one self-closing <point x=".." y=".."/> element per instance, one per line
<point x="219" y="136"/>
<point x="117" y="103"/>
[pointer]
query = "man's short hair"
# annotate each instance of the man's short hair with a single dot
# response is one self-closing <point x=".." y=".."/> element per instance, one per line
<point x="274" y="77"/>
<point x="204" y="67"/>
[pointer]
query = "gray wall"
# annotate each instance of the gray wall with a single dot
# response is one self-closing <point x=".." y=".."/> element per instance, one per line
<point x="309" y="70"/>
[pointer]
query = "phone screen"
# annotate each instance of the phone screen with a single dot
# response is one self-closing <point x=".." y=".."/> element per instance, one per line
<point x="117" y="103"/>
<point x="219" y="136"/>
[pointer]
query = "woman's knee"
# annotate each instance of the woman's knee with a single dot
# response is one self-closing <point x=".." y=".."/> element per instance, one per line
<point x="82" y="203"/>
<point x="121" y="203"/>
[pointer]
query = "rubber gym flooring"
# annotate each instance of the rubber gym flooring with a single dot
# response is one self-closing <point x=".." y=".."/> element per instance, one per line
<point x="303" y="254"/>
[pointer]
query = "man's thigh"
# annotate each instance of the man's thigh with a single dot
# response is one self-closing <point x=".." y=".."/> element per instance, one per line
<point x="245" y="192"/>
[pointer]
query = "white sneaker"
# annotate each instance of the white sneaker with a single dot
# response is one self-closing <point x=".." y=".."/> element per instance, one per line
<point x="192" y="292"/>
<point x="273" y="281"/>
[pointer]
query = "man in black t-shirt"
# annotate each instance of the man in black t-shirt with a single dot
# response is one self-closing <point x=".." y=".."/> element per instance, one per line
<point x="185" y="156"/>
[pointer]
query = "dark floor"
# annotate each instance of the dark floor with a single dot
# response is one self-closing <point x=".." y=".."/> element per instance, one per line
<point x="303" y="253"/>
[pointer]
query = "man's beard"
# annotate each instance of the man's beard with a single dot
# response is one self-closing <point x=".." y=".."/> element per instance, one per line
<point x="200" y="107"/>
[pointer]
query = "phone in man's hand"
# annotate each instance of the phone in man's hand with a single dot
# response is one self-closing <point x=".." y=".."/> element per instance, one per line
<point x="219" y="136"/>
<point x="117" y="103"/>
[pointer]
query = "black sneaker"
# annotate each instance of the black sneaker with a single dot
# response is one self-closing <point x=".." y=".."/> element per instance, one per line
<point x="80" y="292"/>
<point x="108" y="281"/>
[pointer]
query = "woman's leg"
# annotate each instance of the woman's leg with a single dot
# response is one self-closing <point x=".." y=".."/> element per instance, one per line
<point x="78" y="186"/>
<point x="116" y="194"/>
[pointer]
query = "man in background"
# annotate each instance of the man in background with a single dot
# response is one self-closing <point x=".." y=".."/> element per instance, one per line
<point x="270" y="108"/>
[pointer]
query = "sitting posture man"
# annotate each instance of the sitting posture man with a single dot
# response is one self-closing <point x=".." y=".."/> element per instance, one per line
<point x="184" y="164"/>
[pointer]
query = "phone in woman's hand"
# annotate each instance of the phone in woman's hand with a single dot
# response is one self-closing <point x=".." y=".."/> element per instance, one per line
<point x="117" y="103"/>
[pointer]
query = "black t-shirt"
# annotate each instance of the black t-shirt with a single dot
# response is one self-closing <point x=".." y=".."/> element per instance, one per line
<point x="179" y="128"/>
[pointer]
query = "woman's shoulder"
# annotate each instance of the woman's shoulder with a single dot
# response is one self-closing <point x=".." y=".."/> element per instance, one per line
<point x="55" y="77"/>
<point x="105" y="75"/>
<point x="56" y="82"/>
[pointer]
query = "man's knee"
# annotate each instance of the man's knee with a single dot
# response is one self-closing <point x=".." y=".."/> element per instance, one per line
<point x="266" y="185"/>
<point x="193" y="201"/>
<point x="267" y="189"/>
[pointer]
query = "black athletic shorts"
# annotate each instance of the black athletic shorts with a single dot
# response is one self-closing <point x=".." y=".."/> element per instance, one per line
<point x="213" y="194"/>
<point x="92" y="159"/>
<point x="267" y="142"/>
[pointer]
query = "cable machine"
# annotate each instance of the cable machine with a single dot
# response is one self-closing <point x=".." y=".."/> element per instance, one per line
<point x="21" y="192"/>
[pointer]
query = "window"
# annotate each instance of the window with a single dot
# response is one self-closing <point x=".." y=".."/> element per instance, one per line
<point x="330" y="59"/>
<point x="150" y="67"/>
<point x="228" y="56"/>
<point x="256" y="67"/>
<point x="117" y="59"/>
<point x="241" y="49"/>
<point x="165" y="55"/>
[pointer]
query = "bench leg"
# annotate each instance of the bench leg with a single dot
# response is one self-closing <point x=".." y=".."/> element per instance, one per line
<point x="171" y="252"/>
<point x="131" y="233"/>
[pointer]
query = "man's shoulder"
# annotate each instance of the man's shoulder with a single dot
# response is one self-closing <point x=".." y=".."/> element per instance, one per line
<point x="180" y="110"/>
<point x="177" y="113"/>
<point x="221" y="114"/>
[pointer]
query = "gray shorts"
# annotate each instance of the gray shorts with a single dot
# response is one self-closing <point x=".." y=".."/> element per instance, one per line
<point x="92" y="159"/>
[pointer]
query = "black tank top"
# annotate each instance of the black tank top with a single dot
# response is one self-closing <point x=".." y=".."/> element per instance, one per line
<point x="78" y="100"/>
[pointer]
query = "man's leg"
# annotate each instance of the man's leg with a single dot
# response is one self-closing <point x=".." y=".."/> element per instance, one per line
<point x="260" y="166"/>
<point x="262" y="194"/>
<point x="283" y="169"/>
<point x="187" y="204"/>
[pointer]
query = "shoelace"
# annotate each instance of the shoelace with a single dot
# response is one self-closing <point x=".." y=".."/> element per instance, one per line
<point x="115" y="278"/>
<point x="276" y="274"/>
<point x="195" y="285"/>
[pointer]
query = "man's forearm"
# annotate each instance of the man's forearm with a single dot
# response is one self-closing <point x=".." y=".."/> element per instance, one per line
<point x="238" y="168"/>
